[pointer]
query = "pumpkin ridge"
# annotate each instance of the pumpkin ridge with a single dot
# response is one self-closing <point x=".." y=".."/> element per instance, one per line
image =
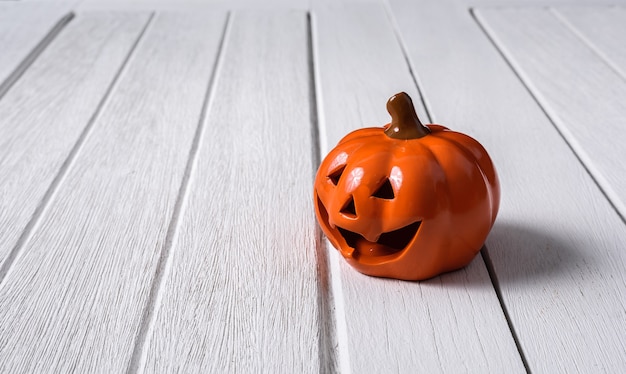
<point x="433" y="156"/>
<point x="490" y="183"/>
<point x="360" y="134"/>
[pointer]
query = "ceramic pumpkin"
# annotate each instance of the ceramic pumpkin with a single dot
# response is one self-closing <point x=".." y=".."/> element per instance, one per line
<point x="407" y="201"/>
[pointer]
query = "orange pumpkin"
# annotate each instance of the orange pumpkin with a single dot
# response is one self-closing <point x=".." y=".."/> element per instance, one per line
<point x="407" y="201"/>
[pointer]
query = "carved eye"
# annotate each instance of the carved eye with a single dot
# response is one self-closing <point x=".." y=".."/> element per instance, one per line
<point x="336" y="175"/>
<point x="385" y="191"/>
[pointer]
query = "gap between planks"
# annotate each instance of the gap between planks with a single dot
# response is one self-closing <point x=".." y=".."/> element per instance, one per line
<point x="496" y="286"/>
<point x="31" y="57"/>
<point x="484" y="251"/>
<point x="330" y="359"/>
<point x="5" y="268"/>
<point x="335" y="300"/>
<point x="138" y="357"/>
<point x="407" y="59"/>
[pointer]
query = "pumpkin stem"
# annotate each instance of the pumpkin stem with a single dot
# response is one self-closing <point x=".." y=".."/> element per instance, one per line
<point x="404" y="121"/>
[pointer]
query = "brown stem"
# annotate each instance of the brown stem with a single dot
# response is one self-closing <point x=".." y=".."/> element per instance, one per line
<point x="404" y="121"/>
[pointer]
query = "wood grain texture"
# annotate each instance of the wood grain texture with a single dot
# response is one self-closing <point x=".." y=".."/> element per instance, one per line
<point x="74" y="300"/>
<point x="453" y="323"/>
<point x="557" y="247"/>
<point x="213" y="4"/>
<point x="45" y="112"/>
<point x="23" y="32"/>
<point x="190" y="5"/>
<point x="243" y="291"/>
<point x="466" y="4"/>
<point x="601" y="28"/>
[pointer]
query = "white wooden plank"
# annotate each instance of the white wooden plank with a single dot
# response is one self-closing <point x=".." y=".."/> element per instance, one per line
<point x="464" y="4"/>
<point x="603" y="29"/>
<point x="25" y="30"/>
<point x="591" y="117"/>
<point x="46" y="111"/>
<point x="361" y="66"/>
<point x="557" y="246"/>
<point x="74" y="300"/>
<point x="189" y="5"/>
<point x="453" y="323"/>
<point x="243" y="292"/>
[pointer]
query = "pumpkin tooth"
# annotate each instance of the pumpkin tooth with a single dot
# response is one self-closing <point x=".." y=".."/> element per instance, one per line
<point x="372" y="238"/>
<point x="348" y="252"/>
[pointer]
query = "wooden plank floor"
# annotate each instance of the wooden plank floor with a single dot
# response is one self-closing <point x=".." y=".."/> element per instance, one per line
<point x="156" y="173"/>
<point x="583" y="98"/>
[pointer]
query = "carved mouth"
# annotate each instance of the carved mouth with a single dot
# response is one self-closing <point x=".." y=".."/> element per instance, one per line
<point x="388" y="243"/>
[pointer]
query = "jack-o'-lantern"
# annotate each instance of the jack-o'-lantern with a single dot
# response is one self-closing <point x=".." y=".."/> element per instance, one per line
<point x="405" y="200"/>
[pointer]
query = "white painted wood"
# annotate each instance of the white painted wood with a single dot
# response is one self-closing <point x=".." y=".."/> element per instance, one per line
<point x="189" y="5"/>
<point x="243" y="293"/>
<point x="74" y="300"/>
<point x="558" y="246"/>
<point x="452" y="323"/>
<point x="199" y="4"/>
<point x="361" y="65"/>
<point x="24" y="27"/>
<point x="590" y="117"/>
<point x="466" y="4"/>
<point x="603" y="29"/>
<point x="44" y="113"/>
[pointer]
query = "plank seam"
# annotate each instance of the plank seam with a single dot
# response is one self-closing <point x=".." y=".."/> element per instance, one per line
<point x="496" y="285"/>
<point x="139" y="354"/>
<point x="51" y="192"/>
<point x="328" y="324"/>
<point x="32" y="56"/>
<point x="565" y="22"/>
<point x="313" y="89"/>
<point x="607" y="192"/>
<point x="407" y="59"/>
<point x="484" y="251"/>
<point x="319" y="104"/>
<point x="326" y="253"/>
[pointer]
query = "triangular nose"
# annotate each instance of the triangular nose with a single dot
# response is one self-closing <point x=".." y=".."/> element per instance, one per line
<point x="348" y="209"/>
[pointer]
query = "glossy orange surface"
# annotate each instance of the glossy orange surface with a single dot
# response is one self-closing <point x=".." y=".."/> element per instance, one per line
<point x="407" y="208"/>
